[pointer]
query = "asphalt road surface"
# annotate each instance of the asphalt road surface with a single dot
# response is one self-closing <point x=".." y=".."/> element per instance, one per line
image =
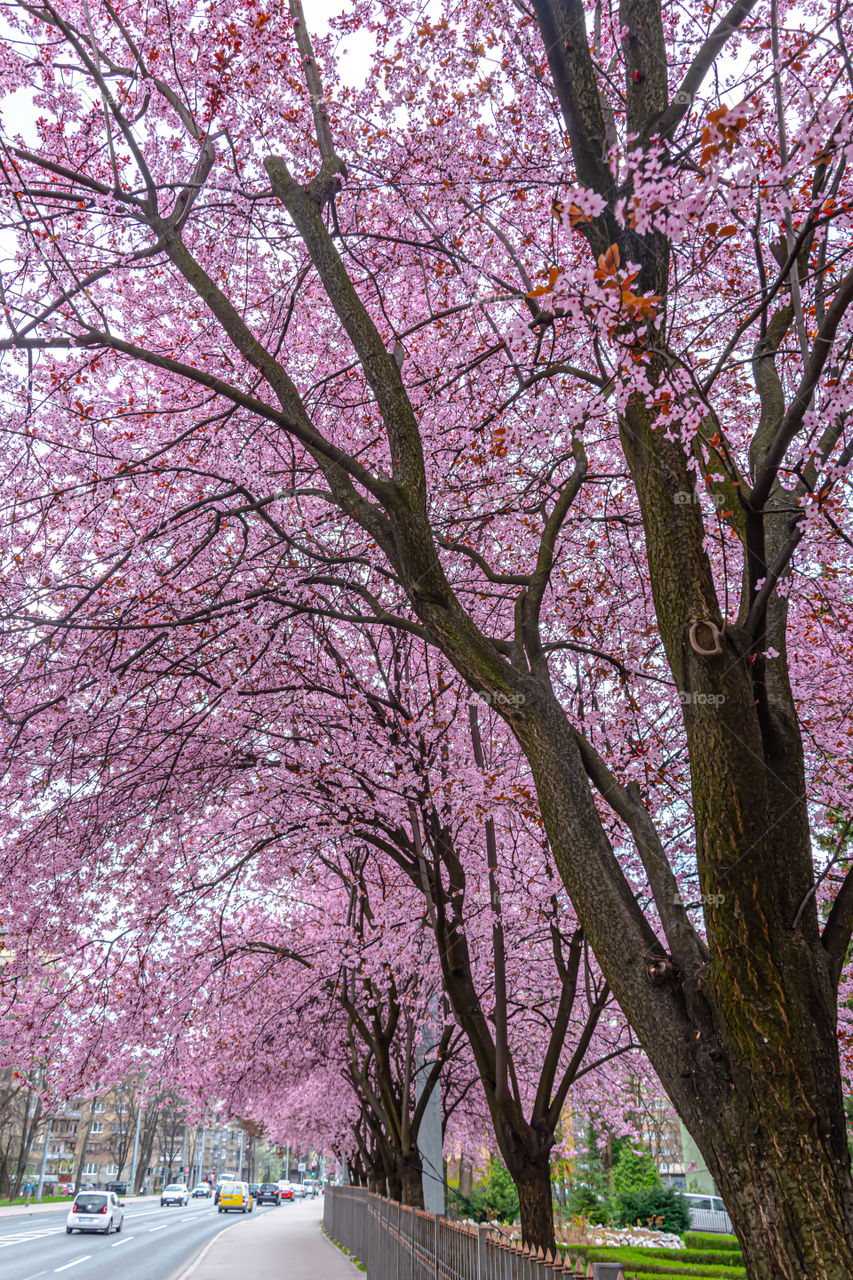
<point x="154" y="1244"/>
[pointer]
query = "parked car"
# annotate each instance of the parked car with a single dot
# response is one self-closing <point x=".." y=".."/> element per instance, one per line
<point x="286" y="1190"/>
<point x="708" y="1213"/>
<point x="203" y="1191"/>
<point x="95" y="1211"/>
<point x="175" y="1193"/>
<point x="236" y="1195"/>
<point x="120" y="1188"/>
<point x="268" y="1193"/>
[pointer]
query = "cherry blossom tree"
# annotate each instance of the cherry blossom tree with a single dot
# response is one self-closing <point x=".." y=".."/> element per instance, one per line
<point x="536" y="347"/>
<point x="447" y="802"/>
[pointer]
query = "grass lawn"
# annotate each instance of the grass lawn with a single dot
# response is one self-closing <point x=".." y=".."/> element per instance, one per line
<point x="21" y="1200"/>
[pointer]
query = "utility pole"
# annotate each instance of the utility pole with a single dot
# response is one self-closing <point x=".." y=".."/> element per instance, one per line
<point x="240" y="1164"/>
<point x="44" y="1158"/>
<point x="287" y="1164"/>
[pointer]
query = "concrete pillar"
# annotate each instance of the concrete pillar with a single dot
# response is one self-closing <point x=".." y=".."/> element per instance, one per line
<point x="430" y="1137"/>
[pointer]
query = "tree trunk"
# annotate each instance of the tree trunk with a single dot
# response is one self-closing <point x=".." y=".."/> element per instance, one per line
<point x="745" y="1046"/>
<point x="81" y="1162"/>
<point x="146" y="1149"/>
<point x="780" y="1159"/>
<point x="536" y="1202"/>
<point x="394" y="1189"/>
<point x="28" y="1133"/>
<point x="466" y="1176"/>
<point x="411" y="1182"/>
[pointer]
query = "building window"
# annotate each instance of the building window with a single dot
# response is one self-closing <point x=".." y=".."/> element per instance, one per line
<point x="90" y="1168"/>
<point x="100" y="1107"/>
<point x="98" y="1127"/>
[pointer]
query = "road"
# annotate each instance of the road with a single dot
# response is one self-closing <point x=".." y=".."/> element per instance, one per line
<point x="154" y="1244"/>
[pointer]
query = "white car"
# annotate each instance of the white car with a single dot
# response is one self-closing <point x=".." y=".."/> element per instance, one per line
<point x="95" y="1211"/>
<point x="175" y="1193"/>
<point x="708" y="1213"/>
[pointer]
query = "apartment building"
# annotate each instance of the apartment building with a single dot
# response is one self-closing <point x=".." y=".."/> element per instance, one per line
<point x="99" y="1135"/>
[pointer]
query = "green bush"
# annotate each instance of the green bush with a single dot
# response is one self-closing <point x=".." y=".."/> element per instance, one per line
<point x="633" y="1171"/>
<point x="661" y="1207"/>
<point x="493" y="1199"/>
<point x="584" y="1202"/>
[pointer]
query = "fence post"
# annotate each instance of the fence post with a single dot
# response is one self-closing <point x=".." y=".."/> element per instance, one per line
<point x="482" y="1233"/>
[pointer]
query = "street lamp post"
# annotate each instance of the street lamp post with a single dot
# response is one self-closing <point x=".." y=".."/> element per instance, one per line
<point x="201" y="1151"/>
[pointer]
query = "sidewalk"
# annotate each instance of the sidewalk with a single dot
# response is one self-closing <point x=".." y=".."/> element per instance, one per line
<point x="62" y="1206"/>
<point x="285" y="1244"/>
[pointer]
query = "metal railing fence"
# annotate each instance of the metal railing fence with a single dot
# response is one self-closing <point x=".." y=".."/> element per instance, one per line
<point x="396" y="1242"/>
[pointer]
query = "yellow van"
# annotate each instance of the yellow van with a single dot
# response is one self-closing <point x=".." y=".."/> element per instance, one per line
<point x="236" y="1195"/>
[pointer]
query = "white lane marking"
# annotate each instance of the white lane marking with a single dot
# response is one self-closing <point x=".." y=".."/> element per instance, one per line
<point x="72" y="1264"/>
<point x="163" y="1228"/>
<point x="124" y="1241"/>
<point x="8" y="1241"/>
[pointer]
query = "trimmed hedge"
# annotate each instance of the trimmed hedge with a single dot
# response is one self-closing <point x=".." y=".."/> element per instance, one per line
<point x="646" y="1275"/>
<point x="667" y="1267"/>
<point x="704" y="1257"/>
<point x="710" y="1240"/>
<point x="630" y="1274"/>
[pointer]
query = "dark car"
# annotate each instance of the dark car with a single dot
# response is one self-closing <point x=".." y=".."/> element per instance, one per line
<point x="120" y="1188"/>
<point x="268" y="1193"/>
<point x="254" y="1187"/>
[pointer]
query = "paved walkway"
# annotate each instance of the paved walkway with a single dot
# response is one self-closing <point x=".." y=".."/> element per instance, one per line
<point x="287" y="1244"/>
